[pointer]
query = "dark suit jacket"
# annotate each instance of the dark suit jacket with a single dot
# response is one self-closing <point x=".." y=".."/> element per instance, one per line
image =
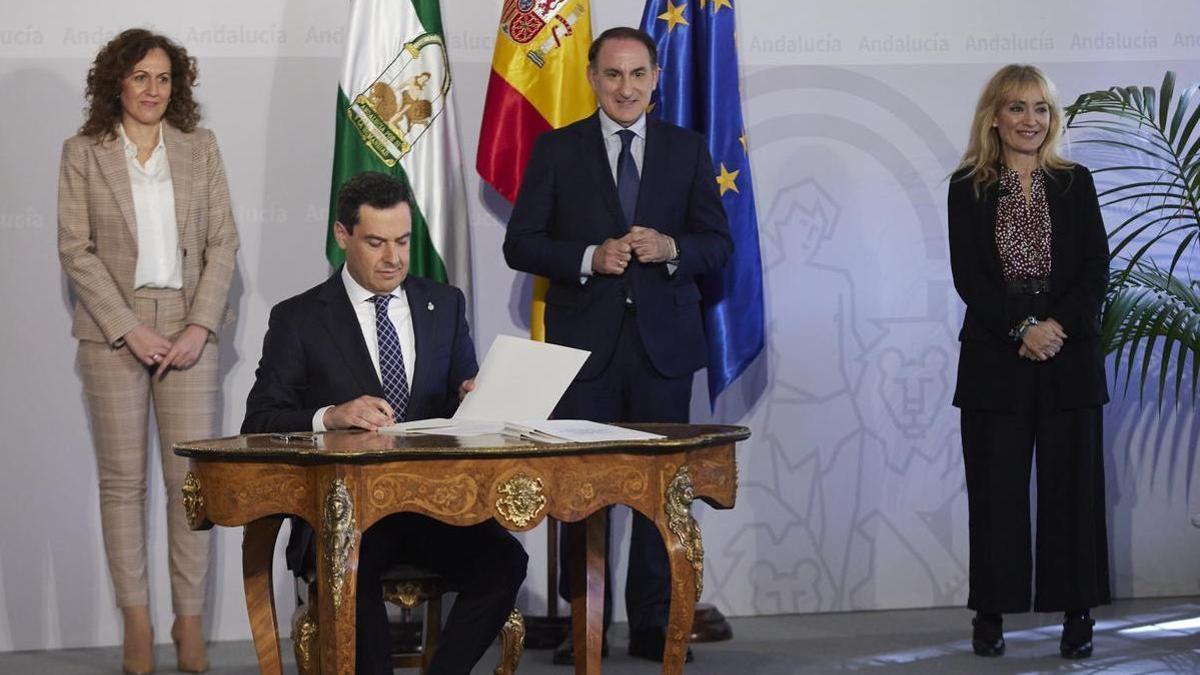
<point x="314" y="355"/>
<point x="568" y="201"/>
<point x="989" y="367"/>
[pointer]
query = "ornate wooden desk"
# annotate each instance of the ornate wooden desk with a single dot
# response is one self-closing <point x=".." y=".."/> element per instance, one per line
<point x="342" y="482"/>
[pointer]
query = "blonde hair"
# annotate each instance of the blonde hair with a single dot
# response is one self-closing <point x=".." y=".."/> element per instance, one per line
<point x="984" y="149"/>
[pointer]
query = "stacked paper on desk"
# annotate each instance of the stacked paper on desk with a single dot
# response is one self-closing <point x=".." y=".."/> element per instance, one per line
<point x="542" y="431"/>
<point x="574" y="431"/>
<point x="441" y="426"/>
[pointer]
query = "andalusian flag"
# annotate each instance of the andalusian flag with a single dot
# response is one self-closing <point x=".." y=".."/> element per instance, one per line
<point x="538" y="83"/>
<point x="395" y="114"/>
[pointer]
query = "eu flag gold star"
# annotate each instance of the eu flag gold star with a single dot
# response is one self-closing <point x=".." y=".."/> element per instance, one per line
<point x="674" y="15"/>
<point x="718" y="4"/>
<point x="742" y="138"/>
<point x="727" y="180"/>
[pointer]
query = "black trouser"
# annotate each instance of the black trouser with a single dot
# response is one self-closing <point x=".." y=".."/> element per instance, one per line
<point x="1072" y="542"/>
<point x="629" y="389"/>
<point x="483" y="562"/>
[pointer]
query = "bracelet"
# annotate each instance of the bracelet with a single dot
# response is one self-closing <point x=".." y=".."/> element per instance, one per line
<point x="1018" y="333"/>
<point x="674" y="250"/>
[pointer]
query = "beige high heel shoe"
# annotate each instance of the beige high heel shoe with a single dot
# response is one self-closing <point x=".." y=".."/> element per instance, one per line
<point x="138" y="656"/>
<point x="190" y="650"/>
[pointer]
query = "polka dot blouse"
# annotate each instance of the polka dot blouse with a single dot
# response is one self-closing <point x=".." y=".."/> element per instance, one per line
<point x="1023" y="227"/>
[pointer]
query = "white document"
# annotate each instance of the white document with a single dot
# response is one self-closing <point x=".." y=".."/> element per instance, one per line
<point x="575" y="431"/>
<point x="520" y="380"/>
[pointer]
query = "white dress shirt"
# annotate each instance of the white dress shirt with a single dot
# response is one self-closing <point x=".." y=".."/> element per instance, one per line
<point x="612" y="141"/>
<point x="364" y="309"/>
<point x="159" y="261"/>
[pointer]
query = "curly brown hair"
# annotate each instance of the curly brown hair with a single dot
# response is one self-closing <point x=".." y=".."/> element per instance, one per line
<point x="116" y="60"/>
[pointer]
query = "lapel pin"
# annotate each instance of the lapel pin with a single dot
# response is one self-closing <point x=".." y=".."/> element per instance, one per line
<point x="429" y="307"/>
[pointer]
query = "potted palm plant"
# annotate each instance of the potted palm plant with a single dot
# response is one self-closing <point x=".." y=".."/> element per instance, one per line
<point x="1152" y="319"/>
<point x="1153" y="305"/>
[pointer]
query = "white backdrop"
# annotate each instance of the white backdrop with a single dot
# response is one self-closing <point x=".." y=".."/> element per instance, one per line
<point x="851" y="487"/>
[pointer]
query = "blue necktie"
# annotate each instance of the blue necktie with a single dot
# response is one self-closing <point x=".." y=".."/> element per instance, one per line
<point x="391" y="360"/>
<point x="627" y="177"/>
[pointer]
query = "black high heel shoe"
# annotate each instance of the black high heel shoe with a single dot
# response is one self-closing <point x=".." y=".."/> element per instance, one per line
<point x="1076" y="640"/>
<point x="987" y="638"/>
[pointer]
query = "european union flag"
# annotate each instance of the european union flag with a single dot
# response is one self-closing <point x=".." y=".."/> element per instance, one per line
<point x="699" y="89"/>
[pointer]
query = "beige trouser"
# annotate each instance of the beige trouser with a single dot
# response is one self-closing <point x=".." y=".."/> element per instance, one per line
<point x="118" y="390"/>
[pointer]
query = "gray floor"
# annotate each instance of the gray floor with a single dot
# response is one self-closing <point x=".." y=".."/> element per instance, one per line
<point x="1132" y="636"/>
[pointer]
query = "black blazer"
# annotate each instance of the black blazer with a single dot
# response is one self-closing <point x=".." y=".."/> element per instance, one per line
<point x="314" y="355"/>
<point x="568" y="201"/>
<point x="988" y="367"/>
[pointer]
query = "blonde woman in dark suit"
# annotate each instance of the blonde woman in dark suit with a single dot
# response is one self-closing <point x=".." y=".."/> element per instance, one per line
<point x="147" y="238"/>
<point x="1029" y="256"/>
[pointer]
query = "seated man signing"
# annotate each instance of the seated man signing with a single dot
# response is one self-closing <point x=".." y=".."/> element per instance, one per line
<point x="344" y="355"/>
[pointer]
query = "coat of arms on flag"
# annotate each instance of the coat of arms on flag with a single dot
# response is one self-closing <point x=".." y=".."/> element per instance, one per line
<point x="405" y="100"/>
<point x="523" y="20"/>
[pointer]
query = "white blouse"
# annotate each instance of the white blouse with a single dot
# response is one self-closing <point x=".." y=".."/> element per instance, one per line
<point x="159" y="261"/>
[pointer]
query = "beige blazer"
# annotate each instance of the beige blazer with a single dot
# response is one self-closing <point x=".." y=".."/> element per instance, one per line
<point x="97" y="231"/>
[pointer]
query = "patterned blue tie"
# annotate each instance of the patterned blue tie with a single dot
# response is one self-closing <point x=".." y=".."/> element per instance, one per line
<point x="391" y="360"/>
<point x="627" y="176"/>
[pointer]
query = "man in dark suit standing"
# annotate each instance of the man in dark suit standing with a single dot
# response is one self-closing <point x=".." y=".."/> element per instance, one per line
<point x="368" y="347"/>
<point x="621" y="213"/>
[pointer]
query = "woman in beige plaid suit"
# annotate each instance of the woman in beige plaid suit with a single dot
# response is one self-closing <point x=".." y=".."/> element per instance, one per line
<point x="147" y="238"/>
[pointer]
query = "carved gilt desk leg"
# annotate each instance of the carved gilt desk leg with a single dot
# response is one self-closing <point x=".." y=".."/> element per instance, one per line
<point x="338" y="538"/>
<point x="304" y="638"/>
<point x="686" y="554"/>
<point x="258" y="547"/>
<point x="587" y="590"/>
<point x="512" y="644"/>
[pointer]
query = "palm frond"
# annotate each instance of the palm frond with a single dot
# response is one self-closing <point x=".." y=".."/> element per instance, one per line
<point x="1150" y="311"/>
<point x="1145" y="305"/>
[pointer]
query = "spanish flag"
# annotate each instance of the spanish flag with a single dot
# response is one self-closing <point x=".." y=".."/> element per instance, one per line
<point x="538" y="83"/>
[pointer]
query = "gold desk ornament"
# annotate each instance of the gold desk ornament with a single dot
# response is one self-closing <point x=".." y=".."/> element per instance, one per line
<point x="521" y="499"/>
<point x="406" y="594"/>
<point x="304" y="637"/>
<point x="680" y="493"/>
<point x="512" y="640"/>
<point x="193" y="500"/>
<point x="339" y="525"/>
